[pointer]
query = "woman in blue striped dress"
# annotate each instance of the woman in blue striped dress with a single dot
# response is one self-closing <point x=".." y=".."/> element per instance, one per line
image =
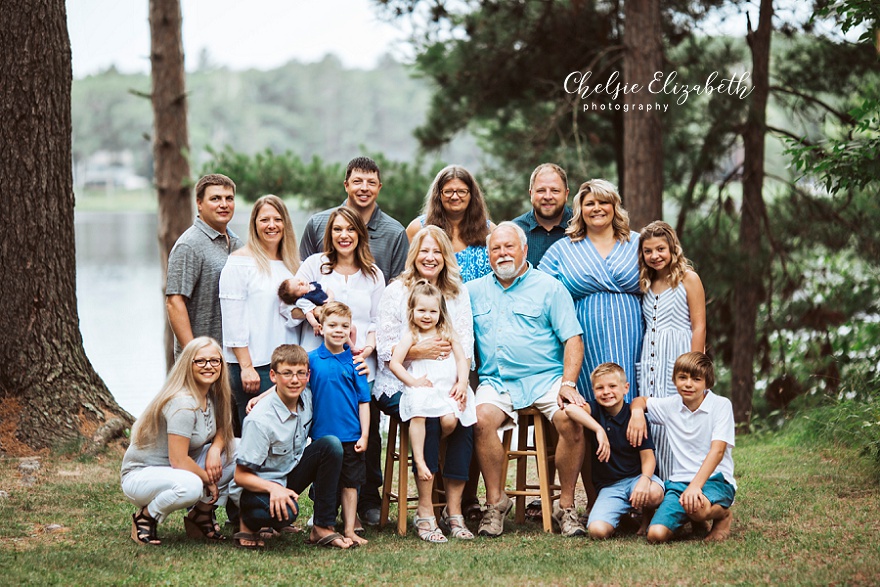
<point x="598" y="264"/>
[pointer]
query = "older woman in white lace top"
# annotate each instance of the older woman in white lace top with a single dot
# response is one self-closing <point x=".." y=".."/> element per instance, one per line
<point x="432" y="258"/>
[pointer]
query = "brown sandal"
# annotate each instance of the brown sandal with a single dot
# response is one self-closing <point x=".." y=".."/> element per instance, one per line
<point x="143" y="528"/>
<point x="202" y="524"/>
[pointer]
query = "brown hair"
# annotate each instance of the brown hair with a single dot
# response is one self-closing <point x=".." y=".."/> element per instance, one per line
<point x="364" y="164"/>
<point x="444" y="324"/>
<point x="474" y="226"/>
<point x="678" y="263"/>
<point x="696" y="364"/>
<point x="336" y="308"/>
<point x="363" y="258"/>
<point x="212" y="179"/>
<point x="605" y="192"/>
<point x="290" y="354"/>
<point x="548" y="167"/>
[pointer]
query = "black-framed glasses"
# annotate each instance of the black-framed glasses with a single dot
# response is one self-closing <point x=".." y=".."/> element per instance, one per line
<point x="462" y="193"/>
<point x="214" y="362"/>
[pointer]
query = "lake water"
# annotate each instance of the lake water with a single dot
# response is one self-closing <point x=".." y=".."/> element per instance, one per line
<point x="120" y="301"/>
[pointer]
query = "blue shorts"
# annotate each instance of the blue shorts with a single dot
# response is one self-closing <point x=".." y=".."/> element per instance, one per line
<point x="672" y="515"/>
<point x="613" y="500"/>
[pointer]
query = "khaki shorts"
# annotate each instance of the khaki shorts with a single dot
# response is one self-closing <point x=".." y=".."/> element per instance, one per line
<point x="546" y="404"/>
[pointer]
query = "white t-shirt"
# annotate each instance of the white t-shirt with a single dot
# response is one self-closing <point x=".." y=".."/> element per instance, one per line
<point x="691" y="434"/>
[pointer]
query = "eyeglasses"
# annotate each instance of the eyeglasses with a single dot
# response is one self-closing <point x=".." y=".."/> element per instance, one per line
<point x="214" y="362"/>
<point x="301" y="375"/>
<point x="462" y="193"/>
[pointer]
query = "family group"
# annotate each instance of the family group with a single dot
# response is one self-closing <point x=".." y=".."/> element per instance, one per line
<point x="288" y="352"/>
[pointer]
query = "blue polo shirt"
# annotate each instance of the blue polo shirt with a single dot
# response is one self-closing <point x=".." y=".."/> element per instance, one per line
<point x="625" y="461"/>
<point x="539" y="238"/>
<point x="520" y="333"/>
<point x="337" y="391"/>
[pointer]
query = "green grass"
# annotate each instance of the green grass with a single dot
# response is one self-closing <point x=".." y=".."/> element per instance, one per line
<point x="803" y="516"/>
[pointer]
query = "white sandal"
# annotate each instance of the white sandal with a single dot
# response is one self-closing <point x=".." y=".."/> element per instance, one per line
<point x="455" y="526"/>
<point x="430" y="534"/>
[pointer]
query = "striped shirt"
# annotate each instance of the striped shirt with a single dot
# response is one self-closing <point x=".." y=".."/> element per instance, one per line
<point x="607" y="300"/>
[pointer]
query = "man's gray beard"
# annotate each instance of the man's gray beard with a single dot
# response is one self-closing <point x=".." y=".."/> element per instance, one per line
<point x="505" y="274"/>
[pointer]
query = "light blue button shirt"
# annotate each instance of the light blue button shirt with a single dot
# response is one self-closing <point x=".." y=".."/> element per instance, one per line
<point x="273" y="438"/>
<point x="520" y="333"/>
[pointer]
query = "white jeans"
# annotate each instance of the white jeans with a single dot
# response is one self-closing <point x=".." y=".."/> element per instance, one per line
<point x="164" y="489"/>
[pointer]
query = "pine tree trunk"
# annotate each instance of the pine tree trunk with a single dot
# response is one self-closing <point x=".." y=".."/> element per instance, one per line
<point x="49" y="392"/>
<point x="642" y="185"/>
<point x="170" y="137"/>
<point x="749" y="286"/>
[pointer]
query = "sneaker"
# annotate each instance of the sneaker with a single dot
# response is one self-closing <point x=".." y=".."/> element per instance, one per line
<point x="492" y="524"/>
<point x="567" y="520"/>
<point x="370" y="517"/>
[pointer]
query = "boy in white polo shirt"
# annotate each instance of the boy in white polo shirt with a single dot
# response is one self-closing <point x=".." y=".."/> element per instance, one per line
<point x="700" y="428"/>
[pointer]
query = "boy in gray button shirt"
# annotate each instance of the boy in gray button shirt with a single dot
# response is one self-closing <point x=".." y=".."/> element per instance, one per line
<point x="274" y="465"/>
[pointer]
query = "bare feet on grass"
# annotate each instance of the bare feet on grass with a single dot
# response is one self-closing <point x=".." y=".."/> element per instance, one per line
<point x="355" y="539"/>
<point x="721" y="528"/>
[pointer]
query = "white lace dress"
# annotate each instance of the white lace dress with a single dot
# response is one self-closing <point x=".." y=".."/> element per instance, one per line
<point x="435" y="401"/>
<point x="392" y="325"/>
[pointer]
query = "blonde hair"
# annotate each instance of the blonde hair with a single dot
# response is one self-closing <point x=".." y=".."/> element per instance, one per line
<point x="678" y="263"/>
<point x="181" y="381"/>
<point x="288" y="249"/>
<point x="424" y="288"/>
<point x="608" y="369"/>
<point x="604" y="192"/>
<point x="449" y="279"/>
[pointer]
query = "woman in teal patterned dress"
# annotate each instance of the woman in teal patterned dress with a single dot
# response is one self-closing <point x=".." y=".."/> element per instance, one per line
<point x="455" y="204"/>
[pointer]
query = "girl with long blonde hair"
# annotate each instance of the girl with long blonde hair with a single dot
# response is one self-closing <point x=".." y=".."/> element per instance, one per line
<point x="182" y="447"/>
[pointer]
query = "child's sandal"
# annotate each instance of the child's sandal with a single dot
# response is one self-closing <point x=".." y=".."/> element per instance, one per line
<point x="428" y="531"/>
<point x="202" y="524"/>
<point x="143" y="528"/>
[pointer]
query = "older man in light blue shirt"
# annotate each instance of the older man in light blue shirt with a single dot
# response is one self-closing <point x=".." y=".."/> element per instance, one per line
<point x="530" y="347"/>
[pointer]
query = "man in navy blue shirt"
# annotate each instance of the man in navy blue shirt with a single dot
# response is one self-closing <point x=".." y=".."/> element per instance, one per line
<point x="546" y="222"/>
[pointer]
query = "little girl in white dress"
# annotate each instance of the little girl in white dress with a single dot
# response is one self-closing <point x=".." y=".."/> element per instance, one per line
<point x="434" y="388"/>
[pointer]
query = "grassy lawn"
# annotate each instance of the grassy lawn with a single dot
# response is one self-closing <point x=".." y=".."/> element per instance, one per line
<point x="803" y="516"/>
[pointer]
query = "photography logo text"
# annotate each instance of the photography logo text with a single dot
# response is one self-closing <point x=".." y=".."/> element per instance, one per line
<point x="662" y="84"/>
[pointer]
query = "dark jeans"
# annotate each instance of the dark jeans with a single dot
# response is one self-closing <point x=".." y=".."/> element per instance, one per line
<point x="320" y="466"/>
<point x="240" y="397"/>
<point x="369" y="496"/>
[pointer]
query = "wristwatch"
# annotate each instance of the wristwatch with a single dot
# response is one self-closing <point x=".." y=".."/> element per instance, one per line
<point x="570" y="384"/>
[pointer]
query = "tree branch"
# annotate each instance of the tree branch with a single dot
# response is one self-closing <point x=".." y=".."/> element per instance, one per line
<point x="842" y="116"/>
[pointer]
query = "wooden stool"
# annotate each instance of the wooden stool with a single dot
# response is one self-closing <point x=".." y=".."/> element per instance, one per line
<point x="546" y="488"/>
<point x="402" y="457"/>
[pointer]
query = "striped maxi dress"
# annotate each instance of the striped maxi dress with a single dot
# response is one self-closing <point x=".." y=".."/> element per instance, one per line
<point x="668" y="335"/>
<point x="607" y="301"/>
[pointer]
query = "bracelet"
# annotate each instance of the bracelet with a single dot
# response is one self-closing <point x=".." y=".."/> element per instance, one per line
<point x="570" y="384"/>
<point x="648" y="477"/>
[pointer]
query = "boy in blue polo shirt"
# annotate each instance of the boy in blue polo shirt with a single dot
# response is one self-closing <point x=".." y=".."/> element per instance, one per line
<point x="622" y="474"/>
<point x="700" y="429"/>
<point x="341" y="399"/>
